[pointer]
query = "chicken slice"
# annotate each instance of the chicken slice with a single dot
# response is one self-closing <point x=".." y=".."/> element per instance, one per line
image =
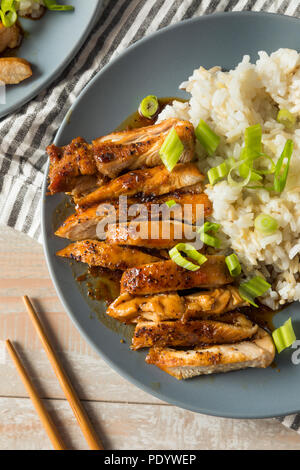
<point x="83" y="224"/>
<point x="10" y="37"/>
<point x="96" y="253"/>
<point x="14" y="70"/>
<point x="136" y="148"/>
<point x="114" y="153"/>
<point x="171" y="306"/>
<point x="151" y="234"/>
<point x="168" y="276"/>
<point x="234" y="327"/>
<point x="151" y="181"/>
<point x="257" y="352"/>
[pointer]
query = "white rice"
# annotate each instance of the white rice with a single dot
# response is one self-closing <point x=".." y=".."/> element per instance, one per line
<point x="229" y="102"/>
<point x="33" y="8"/>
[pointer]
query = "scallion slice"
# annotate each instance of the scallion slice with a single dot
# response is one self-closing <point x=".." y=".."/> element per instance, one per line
<point x="286" y="118"/>
<point x="244" y="181"/>
<point x="191" y="252"/>
<point x="284" y="336"/>
<point x="8" y="13"/>
<point x="170" y="203"/>
<point x="281" y="171"/>
<point x="233" y="265"/>
<point x="52" y="5"/>
<point x="149" y="106"/>
<point x="256" y="287"/>
<point x="265" y="224"/>
<point x="207" y="239"/>
<point x="207" y="138"/>
<point x="218" y="172"/>
<point x="171" y="150"/>
<point x="253" y="135"/>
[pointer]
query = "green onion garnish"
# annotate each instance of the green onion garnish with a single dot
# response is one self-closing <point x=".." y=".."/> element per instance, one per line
<point x="218" y="172"/>
<point x="52" y="5"/>
<point x="233" y="265"/>
<point x="207" y="239"/>
<point x="286" y="118"/>
<point x="171" y="150"/>
<point x="8" y="13"/>
<point x="243" y="182"/>
<point x="170" y="203"/>
<point x="191" y="252"/>
<point x="252" y="149"/>
<point x="149" y="106"/>
<point x="207" y="138"/>
<point x="265" y="224"/>
<point x="281" y="171"/>
<point x="267" y="171"/>
<point x="256" y="287"/>
<point x="284" y="336"/>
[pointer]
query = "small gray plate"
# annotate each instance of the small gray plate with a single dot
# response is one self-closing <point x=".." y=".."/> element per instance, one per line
<point x="157" y="65"/>
<point x="49" y="45"/>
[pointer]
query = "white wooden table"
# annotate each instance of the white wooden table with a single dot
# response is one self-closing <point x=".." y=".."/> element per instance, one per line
<point x="124" y="416"/>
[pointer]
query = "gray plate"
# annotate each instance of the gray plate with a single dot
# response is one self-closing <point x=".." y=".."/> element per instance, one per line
<point x="158" y="64"/>
<point x="49" y="45"/>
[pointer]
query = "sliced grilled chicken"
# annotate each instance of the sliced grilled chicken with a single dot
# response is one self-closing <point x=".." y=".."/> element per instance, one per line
<point x="151" y="181"/>
<point x="137" y="148"/>
<point x="14" y="70"/>
<point x="95" y="253"/>
<point x="161" y="307"/>
<point x="168" y="276"/>
<point x="151" y="234"/>
<point x="234" y="327"/>
<point x="257" y="352"/>
<point x="83" y="224"/>
<point x="114" y="153"/>
<point x="10" y="37"/>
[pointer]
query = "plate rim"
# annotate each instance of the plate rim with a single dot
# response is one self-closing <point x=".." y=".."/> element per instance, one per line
<point x="157" y="394"/>
<point x="59" y="70"/>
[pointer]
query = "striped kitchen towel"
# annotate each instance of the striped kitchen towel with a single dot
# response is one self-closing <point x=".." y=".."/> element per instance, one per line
<point x="25" y="134"/>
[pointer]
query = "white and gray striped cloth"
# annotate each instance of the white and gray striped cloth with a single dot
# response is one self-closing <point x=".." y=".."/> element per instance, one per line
<point x="25" y="134"/>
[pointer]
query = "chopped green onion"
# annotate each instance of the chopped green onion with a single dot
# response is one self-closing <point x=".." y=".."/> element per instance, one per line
<point x="281" y="171"/>
<point x="218" y="172"/>
<point x="286" y="118"/>
<point x="233" y="265"/>
<point x="209" y="239"/>
<point x="207" y="138"/>
<point x="252" y="149"/>
<point x="171" y="149"/>
<point x="256" y="287"/>
<point x="170" y="203"/>
<point x="267" y="171"/>
<point x="244" y="181"/>
<point x="250" y="152"/>
<point x="52" y="5"/>
<point x="149" y="106"/>
<point x="265" y="224"/>
<point x="191" y="252"/>
<point x="284" y="336"/>
<point x="8" y="13"/>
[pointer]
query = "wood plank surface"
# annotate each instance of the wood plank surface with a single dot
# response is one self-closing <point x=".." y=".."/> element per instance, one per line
<point x="125" y="417"/>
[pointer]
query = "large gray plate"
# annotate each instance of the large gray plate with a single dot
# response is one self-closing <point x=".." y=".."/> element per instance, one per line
<point x="157" y="65"/>
<point x="49" y="45"/>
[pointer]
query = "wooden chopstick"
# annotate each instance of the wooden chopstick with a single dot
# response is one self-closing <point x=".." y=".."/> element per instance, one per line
<point x="45" y="418"/>
<point x="78" y="410"/>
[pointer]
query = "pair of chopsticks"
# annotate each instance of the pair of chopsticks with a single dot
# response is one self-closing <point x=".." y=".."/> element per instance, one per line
<point x="78" y="410"/>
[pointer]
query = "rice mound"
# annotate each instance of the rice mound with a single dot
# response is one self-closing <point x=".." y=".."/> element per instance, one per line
<point x="230" y="102"/>
<point x="33" y="8"/>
